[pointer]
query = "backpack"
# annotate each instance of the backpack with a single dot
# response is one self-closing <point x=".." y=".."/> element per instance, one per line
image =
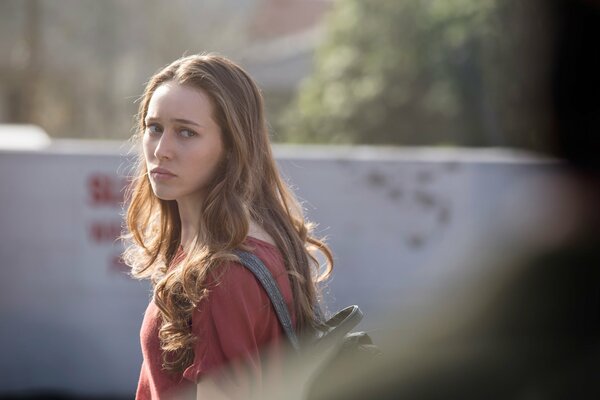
<point x="333" y="348"/>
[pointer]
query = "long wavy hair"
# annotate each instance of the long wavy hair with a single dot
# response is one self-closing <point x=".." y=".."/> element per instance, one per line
<point x="247" y="186"/>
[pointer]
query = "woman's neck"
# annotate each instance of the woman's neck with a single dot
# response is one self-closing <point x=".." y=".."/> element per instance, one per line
<point x="189" y="215"/>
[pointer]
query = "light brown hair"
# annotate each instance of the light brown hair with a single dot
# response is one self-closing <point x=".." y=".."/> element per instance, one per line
<point x="247" y="186"/>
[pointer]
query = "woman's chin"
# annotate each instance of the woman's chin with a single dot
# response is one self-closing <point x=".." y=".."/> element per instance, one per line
<point x="162" y="195"/>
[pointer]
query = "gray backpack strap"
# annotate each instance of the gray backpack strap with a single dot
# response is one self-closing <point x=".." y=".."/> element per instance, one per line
<point x="319" y="316"/>
<point x="262" y="273"/>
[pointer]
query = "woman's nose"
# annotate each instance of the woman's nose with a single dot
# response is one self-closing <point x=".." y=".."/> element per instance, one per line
<point x="165" y="147"/>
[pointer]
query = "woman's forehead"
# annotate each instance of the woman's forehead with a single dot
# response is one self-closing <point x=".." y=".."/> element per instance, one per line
<point x="179" y="101"/>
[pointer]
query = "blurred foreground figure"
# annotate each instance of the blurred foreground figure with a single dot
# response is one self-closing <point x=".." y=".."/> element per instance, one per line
<point x="526" y="324"/>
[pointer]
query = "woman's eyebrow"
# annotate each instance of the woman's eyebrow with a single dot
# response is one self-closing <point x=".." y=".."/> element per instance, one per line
<point x="179" y="120"/>
<point x="186" y="121"/>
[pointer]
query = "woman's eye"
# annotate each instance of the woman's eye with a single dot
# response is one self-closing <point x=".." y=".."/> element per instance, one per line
<point x="187" y="133"/>
<point x="153" y="129"/>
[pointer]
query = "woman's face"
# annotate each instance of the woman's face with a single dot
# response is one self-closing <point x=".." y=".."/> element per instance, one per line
<point x="182" y="142"/>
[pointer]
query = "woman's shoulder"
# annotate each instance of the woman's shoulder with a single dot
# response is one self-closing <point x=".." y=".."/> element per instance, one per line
<point x="232" y="276"/>
<point x="233" y="285"/>
<point x="268" y="253"/>
<point x="257" y="232"/>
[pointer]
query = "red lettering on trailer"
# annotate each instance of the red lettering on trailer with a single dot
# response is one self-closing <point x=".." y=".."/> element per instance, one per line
<point x="105" y="231"/>
<point x="106" y="190"/>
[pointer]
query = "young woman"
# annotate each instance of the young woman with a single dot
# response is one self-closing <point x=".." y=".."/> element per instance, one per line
<point x="206" y="185"/>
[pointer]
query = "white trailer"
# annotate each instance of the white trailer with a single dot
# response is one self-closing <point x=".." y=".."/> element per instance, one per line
<point x="400" y="221"/>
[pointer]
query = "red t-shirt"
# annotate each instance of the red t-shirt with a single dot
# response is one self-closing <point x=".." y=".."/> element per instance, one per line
<point x="233" y="325"/>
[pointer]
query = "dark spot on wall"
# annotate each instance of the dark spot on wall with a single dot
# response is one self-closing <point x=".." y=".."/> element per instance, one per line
<point x="425" y="176"/>
<point x="452" y="166"/>
<point x="396" y="194"/>
<point x="376" y="179"/>
<point x="415" y="241"/>
<point x="444" y="215"/>
<point x="425" y="199"/>
<point x="343" y="162"/>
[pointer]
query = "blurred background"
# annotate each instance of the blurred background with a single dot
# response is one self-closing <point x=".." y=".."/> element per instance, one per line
<point x="411" y="72"/>
<point x="421" y="135"/>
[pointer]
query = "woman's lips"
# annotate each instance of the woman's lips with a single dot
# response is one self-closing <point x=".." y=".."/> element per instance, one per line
<point x="162" y="174"/>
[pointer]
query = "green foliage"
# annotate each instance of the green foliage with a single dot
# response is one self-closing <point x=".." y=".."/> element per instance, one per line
<point x="403" y="72"/>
